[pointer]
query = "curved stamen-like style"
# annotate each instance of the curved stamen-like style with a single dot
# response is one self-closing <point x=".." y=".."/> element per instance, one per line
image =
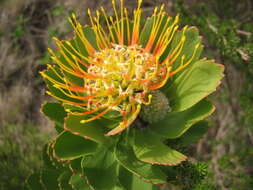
<point x="116" y="67"/>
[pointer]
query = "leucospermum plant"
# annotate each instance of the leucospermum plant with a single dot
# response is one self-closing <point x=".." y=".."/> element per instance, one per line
<point x="123" y="88"/>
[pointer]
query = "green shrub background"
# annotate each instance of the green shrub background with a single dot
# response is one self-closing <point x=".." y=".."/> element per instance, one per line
<point x="26" y="29"/>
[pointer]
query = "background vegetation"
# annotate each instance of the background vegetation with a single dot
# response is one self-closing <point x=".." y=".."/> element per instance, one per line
<point x="26" y="29"/>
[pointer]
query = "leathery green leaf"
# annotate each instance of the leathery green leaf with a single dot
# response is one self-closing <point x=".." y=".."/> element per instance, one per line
<point x="53" y="73"/>
<point x="194" y="84"/>
<point x="104" y="165"/>
<point x="127" y="35"/>
<point x="130" y="181"/>
<point x="63" y="181"/>
<point x="145" y="33"/>
<point x="72" y="46"/>
<point x="138" y="183"/>
<point x="50" y="160"/>
<point x="58" y="128"/>
<point x="48" y="164"/>
<point x="148" y="147"/>
<point x="74" y="79"/>
<point x="73" y="108"/>
<point x="125" y="178"/>
<point x="33" y="182"/>
<point x="54" y="111"/>
<point x="92" y="130"/>
<point x="79" y="182"/>
<point x="177" y="123"/>
<point x="77" y="42"/>
<point x="196" y="132"/>
<point x="70" y="146"/>
<point x="68" y="57"/>
<point x="58" y="94"/>
<point x="149" y="24"/>
<point x="76" y="165"/>
<point x="49" y="179"/>
<point x="150" y="173"/>
<point x="91" y="36"/>
<point x="192" y="39"/>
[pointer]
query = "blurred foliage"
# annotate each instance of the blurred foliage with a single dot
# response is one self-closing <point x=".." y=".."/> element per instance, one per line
<point x="224" y="30"/>
<point x="58" y="10"/>
<point x="19" y="29"/>
<point x="20" y="150"/>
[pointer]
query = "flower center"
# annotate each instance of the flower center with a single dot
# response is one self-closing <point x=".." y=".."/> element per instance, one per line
<point x="124" y="74"/>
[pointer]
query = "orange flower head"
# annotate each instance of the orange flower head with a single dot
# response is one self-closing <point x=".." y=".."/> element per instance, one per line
<point x="116" y="68"/>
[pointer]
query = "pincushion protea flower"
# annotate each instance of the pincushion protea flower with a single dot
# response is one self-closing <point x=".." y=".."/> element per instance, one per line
<point x="119" y="70"/>
<point x="143" y="76"/>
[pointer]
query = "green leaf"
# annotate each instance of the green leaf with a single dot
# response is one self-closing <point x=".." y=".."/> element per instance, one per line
<point x="77" y="42"/>
<point x="150" y="173"/>
<point x="194" y="84"/>
<point x="104" y="165"/>
<point x="49" y="178"/>
<point x="73" y="48"/>
<point x="145" y="33"/>
<point x="54" y="111"/>
<point x="51" y="162"/>
<point x="59" y="128"/>
<point x="149" y="148"/>
<point x="33" y="182"/>
<point x="192" y="39"/>
<point x="67" y="58"/>
<point x="50" y="72"/>
<point x="76" y="165"/>
<point x="132" y="182"/>
<point x="191" y="49"/>
<point x="194" y="133"/>
<point x="125" y="32"/>
<point x="79" y="182"/>
<point x="63" y="181"/>
<point x="48" y="164"/>
<point x="91" y="36"/>
<point x="92" y="130"/>
<point x="74" y="79"/>
<point x="73" y="108"/>
<point x="177" y="123"/>
<point x="125" y="178"/>
<point x="138" y="183"/>
<point x="69" y="146"/>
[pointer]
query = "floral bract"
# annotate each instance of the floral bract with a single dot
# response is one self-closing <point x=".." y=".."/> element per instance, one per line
<point x="124" y="87"/>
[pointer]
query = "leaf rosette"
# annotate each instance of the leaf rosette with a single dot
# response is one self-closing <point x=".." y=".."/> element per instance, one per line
<point x="122" y="90"/>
